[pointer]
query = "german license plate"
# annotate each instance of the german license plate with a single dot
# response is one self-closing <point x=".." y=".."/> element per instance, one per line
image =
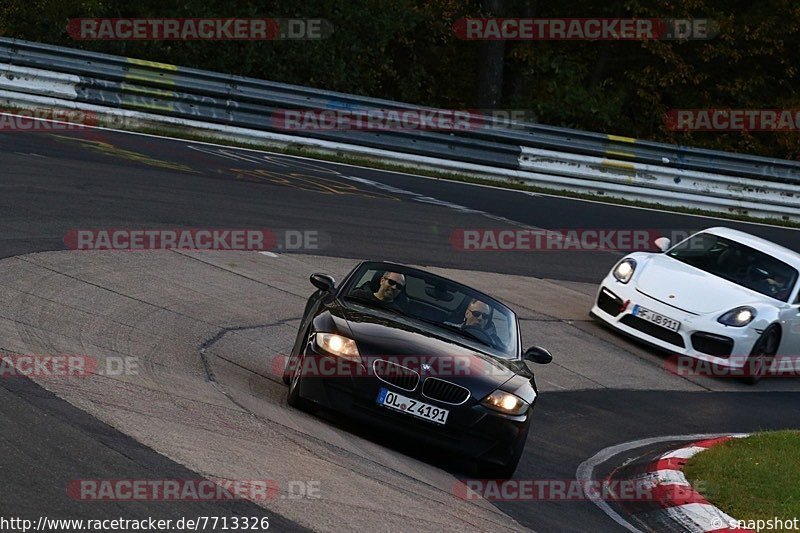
<point x="412" y="407"/>
<point x="655" y="318"/>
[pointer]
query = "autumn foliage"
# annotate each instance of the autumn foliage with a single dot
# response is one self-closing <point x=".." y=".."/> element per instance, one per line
<point x="406" y="50"/>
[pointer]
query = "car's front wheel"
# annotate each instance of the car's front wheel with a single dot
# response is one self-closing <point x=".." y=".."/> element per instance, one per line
<point x="293" y="398"/>
<point x="294" y="358"/>
<point x="287" y="375"/>
<point x="488" y="470"/>
<point x="762" y="355"/>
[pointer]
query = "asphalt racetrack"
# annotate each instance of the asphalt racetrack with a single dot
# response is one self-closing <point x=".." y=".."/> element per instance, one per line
<point x="207" y="329"/>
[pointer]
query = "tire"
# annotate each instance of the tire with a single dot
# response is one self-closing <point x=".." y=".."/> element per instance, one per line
<point x="286" y="377"/>
<point x="293" y="397"/>
<point x="496" y="471"/>
<point x="762" y="355"/>
<point x="488" y="470"/>
<point x="286" y="372"/>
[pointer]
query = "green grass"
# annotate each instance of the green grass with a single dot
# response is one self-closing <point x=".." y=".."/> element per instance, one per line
<point x="379" y="164"/>
<point x="757" y="477"/>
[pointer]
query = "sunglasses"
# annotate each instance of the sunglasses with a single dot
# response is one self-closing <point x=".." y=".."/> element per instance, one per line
<point x="478" y="314"/>
<point x="393" y="283"/>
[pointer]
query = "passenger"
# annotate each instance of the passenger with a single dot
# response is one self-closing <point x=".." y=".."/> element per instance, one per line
<point x="479" y="315"/>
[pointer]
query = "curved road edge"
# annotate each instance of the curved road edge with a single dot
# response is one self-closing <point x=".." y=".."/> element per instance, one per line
<point x="670" y="503"/>
<point x="160" y="309"/>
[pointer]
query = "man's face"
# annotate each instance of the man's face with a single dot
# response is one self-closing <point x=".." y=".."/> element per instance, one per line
<point x="392" y="284"/>
<point x="477" y="315"/>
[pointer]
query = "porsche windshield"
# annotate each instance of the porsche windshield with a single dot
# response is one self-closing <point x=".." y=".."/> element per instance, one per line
<point x="461" y="311"/>
<point x="738" y="263"/>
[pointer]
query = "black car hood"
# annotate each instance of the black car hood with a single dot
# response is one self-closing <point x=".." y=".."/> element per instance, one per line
<point x="402" y="339"/>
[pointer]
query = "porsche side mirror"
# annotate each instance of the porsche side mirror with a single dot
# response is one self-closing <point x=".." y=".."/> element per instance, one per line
<point x="323" y="282"/>
<point x="537" y="354"/>
<point x="662" y="243"/>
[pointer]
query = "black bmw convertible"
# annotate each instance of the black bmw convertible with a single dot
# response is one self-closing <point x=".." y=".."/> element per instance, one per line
<point x="416" y="353"/>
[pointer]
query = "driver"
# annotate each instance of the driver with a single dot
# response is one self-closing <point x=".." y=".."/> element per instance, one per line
<point x="777" y="286"/>
<point x="391" y="286"/>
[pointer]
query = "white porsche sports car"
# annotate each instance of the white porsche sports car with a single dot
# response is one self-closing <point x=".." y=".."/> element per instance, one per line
<point x="722" y="296"/>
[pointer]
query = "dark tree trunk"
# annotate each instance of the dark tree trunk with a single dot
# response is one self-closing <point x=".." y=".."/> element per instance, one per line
<point x="492" y="56"/>
<point x="518" y="89"/>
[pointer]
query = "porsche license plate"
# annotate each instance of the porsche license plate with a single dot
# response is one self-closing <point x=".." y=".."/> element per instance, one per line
<point x="655" y="318"/>
<point x="412" y="407"/>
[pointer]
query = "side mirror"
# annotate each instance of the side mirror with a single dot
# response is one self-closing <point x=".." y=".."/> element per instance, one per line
<point x="662" y="243"/>
<point x="537" y="354"/>
<point x="323" y="282"/>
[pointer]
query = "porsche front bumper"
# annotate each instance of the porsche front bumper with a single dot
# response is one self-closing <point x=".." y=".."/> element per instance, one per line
<point x="699" y="336"/>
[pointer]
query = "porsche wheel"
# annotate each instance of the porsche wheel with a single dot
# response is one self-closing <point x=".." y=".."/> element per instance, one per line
<point x="762" y="355"/>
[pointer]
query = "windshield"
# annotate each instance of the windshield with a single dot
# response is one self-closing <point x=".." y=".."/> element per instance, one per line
<point x="738" y="263"/>
<point x="456" y="309"/>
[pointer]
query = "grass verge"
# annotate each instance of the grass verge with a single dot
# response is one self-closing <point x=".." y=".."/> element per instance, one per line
<point x="754" y="478"/>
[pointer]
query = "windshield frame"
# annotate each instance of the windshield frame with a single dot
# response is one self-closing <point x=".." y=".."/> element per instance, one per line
<point x="511" y="352"/>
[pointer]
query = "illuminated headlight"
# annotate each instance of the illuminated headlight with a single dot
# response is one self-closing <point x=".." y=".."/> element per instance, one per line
<point x="505" y="403"/>
<point x="624" y="270"/>
<point x="338" y="345"/>
<point x="741" y="316"/>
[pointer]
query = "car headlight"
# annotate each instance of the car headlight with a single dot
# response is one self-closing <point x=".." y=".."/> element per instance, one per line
<point x="624" y="270"/>
<point x="338" y="345"/>
<point x="505" y="402"/>
<point x="741" y="316"/>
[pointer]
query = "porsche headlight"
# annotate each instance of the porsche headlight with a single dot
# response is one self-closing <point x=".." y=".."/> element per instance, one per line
<point x="624" y="270"/>
<point x="505" y="402"/>
<point x="741" y="316"/>
<point x="338" y="345"/>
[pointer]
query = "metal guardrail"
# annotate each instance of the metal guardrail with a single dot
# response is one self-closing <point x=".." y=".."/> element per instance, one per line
<point x="35" y="74"/>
